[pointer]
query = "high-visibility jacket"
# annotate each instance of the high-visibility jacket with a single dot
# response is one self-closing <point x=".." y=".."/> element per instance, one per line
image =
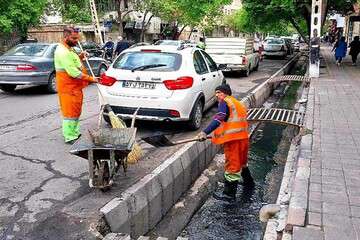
<point x="71" y="78"/>
<point x="236" y="127"/>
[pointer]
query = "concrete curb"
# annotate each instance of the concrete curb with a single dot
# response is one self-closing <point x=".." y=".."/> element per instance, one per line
<point x="300" y="190"/>
<point x="143" y="205"/>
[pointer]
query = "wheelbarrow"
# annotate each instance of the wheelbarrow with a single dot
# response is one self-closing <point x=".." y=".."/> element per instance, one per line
<point x="106" y="150"/>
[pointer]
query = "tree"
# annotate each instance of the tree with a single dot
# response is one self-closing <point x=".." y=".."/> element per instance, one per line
<point x="273" y="13"/>
<point x="191" y="13"/>
<point x="20" y="15"/>
<point x="74" y="11"/>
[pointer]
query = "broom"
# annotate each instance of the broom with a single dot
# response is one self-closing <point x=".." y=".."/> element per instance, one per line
<point x="115" y="121"/>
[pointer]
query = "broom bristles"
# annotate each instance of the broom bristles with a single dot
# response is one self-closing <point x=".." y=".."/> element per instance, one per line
<point x="136" y="152"/>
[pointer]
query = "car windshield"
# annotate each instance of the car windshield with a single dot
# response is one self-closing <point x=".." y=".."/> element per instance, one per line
<point x="275" y="41"/>
<point x="165" y="62"/>
<point x="33" y="50"/>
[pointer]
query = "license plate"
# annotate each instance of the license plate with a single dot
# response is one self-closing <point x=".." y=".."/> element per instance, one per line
<point x="7" y="67"/>
<point x="140" y="85"/>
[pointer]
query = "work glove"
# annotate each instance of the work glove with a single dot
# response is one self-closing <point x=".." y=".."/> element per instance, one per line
<point x="84" y="55"/>
<point x="202" y="136"/>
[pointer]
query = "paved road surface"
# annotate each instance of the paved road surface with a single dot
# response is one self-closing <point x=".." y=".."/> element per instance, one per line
<point x="44" y="190"/>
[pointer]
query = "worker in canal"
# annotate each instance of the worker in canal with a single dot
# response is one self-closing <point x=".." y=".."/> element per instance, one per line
<point x="71" y="78"/>
<point x="230" y="128"/>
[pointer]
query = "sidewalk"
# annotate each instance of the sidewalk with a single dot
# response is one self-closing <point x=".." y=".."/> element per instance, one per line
<point x="333" y="208"/>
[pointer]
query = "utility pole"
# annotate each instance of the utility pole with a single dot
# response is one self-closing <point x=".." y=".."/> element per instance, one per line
<point x="95" y="21"/>
<point x="316" y="22"/>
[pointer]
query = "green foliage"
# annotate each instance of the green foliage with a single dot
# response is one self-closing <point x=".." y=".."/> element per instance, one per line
<point x="19" y="15"/>
<point x="189" y="12"/>
<point x="74" y="11"/>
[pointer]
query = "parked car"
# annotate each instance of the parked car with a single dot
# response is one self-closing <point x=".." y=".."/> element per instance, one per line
<point x="33" y="64"/>
<point x="275" y="47"/>
<point x="168" y="83"/>
<point x="234" y="54"/>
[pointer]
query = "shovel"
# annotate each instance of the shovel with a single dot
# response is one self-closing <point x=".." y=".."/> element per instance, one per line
<point x="163" y="141"/>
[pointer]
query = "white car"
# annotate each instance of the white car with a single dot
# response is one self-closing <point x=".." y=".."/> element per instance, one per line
<point x="168" y="83"/>
<point x="275" y="47"/>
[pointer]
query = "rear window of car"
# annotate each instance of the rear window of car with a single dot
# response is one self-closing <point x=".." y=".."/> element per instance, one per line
<point x="275" y="41"/>
<point x="32" y="50"/>
<point x="131" y="60"/>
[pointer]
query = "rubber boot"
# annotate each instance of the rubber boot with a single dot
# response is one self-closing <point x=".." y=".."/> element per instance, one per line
<point x="248" y="181"/>
<point x="229" y="192"/>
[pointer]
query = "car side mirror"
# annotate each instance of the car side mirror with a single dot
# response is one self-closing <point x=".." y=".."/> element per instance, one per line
<point x="222" y="67"/>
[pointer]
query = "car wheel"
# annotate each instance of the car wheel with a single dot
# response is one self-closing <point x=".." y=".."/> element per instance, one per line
<point x="51" y="86"/>
<point x="8" y="87"/>
<point x="246" y="73"/>
<point x="102" y="69"/>
<point x="196" y="116"/>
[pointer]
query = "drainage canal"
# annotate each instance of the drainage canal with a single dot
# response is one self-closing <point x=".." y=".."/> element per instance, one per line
<point x="267" y="156"/>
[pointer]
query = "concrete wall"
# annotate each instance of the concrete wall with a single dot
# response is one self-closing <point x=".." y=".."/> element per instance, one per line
<point x="144" y="204"/>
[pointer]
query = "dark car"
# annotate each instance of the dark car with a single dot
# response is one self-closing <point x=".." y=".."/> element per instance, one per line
<point x="33" y="64"/>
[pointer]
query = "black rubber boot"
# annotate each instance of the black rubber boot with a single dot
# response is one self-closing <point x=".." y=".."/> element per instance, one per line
<point x="229" y="192"/>
<point x="248" y="181"/>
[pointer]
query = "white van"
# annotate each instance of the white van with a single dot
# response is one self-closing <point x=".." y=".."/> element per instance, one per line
<point x="234" y="54"/>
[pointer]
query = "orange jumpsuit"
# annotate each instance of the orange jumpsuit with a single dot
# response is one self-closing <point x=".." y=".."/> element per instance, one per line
<point x="71" y="78"/>
<point x="234" y="135"/>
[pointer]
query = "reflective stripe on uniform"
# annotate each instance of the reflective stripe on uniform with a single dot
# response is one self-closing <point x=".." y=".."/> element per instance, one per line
<point x="235" y="127"/>
<point x="230" y="131"/>
<point x="232" y="177"/>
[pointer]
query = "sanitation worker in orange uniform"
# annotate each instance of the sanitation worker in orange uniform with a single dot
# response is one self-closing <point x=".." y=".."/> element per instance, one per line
<point x="230" y="128"/>
<point x="71" y="78"/>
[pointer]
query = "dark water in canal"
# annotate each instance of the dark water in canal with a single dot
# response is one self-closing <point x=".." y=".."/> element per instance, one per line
<point x="240" y="220"/>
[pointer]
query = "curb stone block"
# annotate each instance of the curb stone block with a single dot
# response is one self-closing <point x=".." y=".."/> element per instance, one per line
<point x="208" y="152"/>
<point x="165" y="177"/>
<point x="303" y="173"/>
<point x="194" y="157"/>
<point x="112" y="210"/>
<point x="178" y="174"/>
<point x="154" y="197"/>
<point x="186" y="163"/>
<point x="137" y="201"/>
<point x="202" y="160"/>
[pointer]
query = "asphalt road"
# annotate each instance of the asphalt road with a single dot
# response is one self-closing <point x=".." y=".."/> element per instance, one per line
<point x="44" y="191"/>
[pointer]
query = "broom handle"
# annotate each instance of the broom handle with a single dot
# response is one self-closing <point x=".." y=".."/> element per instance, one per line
<point x="92" y="73"/>
<point x="189" y="140"/>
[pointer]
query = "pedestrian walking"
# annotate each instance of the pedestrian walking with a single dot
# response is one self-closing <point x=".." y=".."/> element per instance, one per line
<point x="340" y="49"/>
<point x="109" y="49"/>
<point x="230" y="128"/>
<point x="121" y="45"/>
<point x="354" y="50"/>
<point x="71" y="78"/>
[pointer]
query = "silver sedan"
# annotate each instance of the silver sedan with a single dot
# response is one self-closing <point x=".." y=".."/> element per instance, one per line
<point x="33" y="64"/>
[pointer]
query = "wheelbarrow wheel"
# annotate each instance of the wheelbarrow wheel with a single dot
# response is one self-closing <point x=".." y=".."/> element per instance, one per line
<point x="104" y="175"/>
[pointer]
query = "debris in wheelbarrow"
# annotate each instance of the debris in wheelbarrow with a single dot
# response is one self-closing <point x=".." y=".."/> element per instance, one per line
<point x="106" y="150"/>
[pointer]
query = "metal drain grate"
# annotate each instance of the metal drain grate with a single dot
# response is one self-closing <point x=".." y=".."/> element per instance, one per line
<point x="295" y="78"/>
<point x="276" y="115"/>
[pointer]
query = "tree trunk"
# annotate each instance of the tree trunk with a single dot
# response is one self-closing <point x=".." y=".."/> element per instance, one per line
<point x="175" y="31"/>
<point x="142" y="34"/>
<point x="119" y="18"/>
<point x="144" y="27"/>
<point x="298" y="29"/>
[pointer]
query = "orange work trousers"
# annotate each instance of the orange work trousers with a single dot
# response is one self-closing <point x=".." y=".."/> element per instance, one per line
<point x="236" y="155"/>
